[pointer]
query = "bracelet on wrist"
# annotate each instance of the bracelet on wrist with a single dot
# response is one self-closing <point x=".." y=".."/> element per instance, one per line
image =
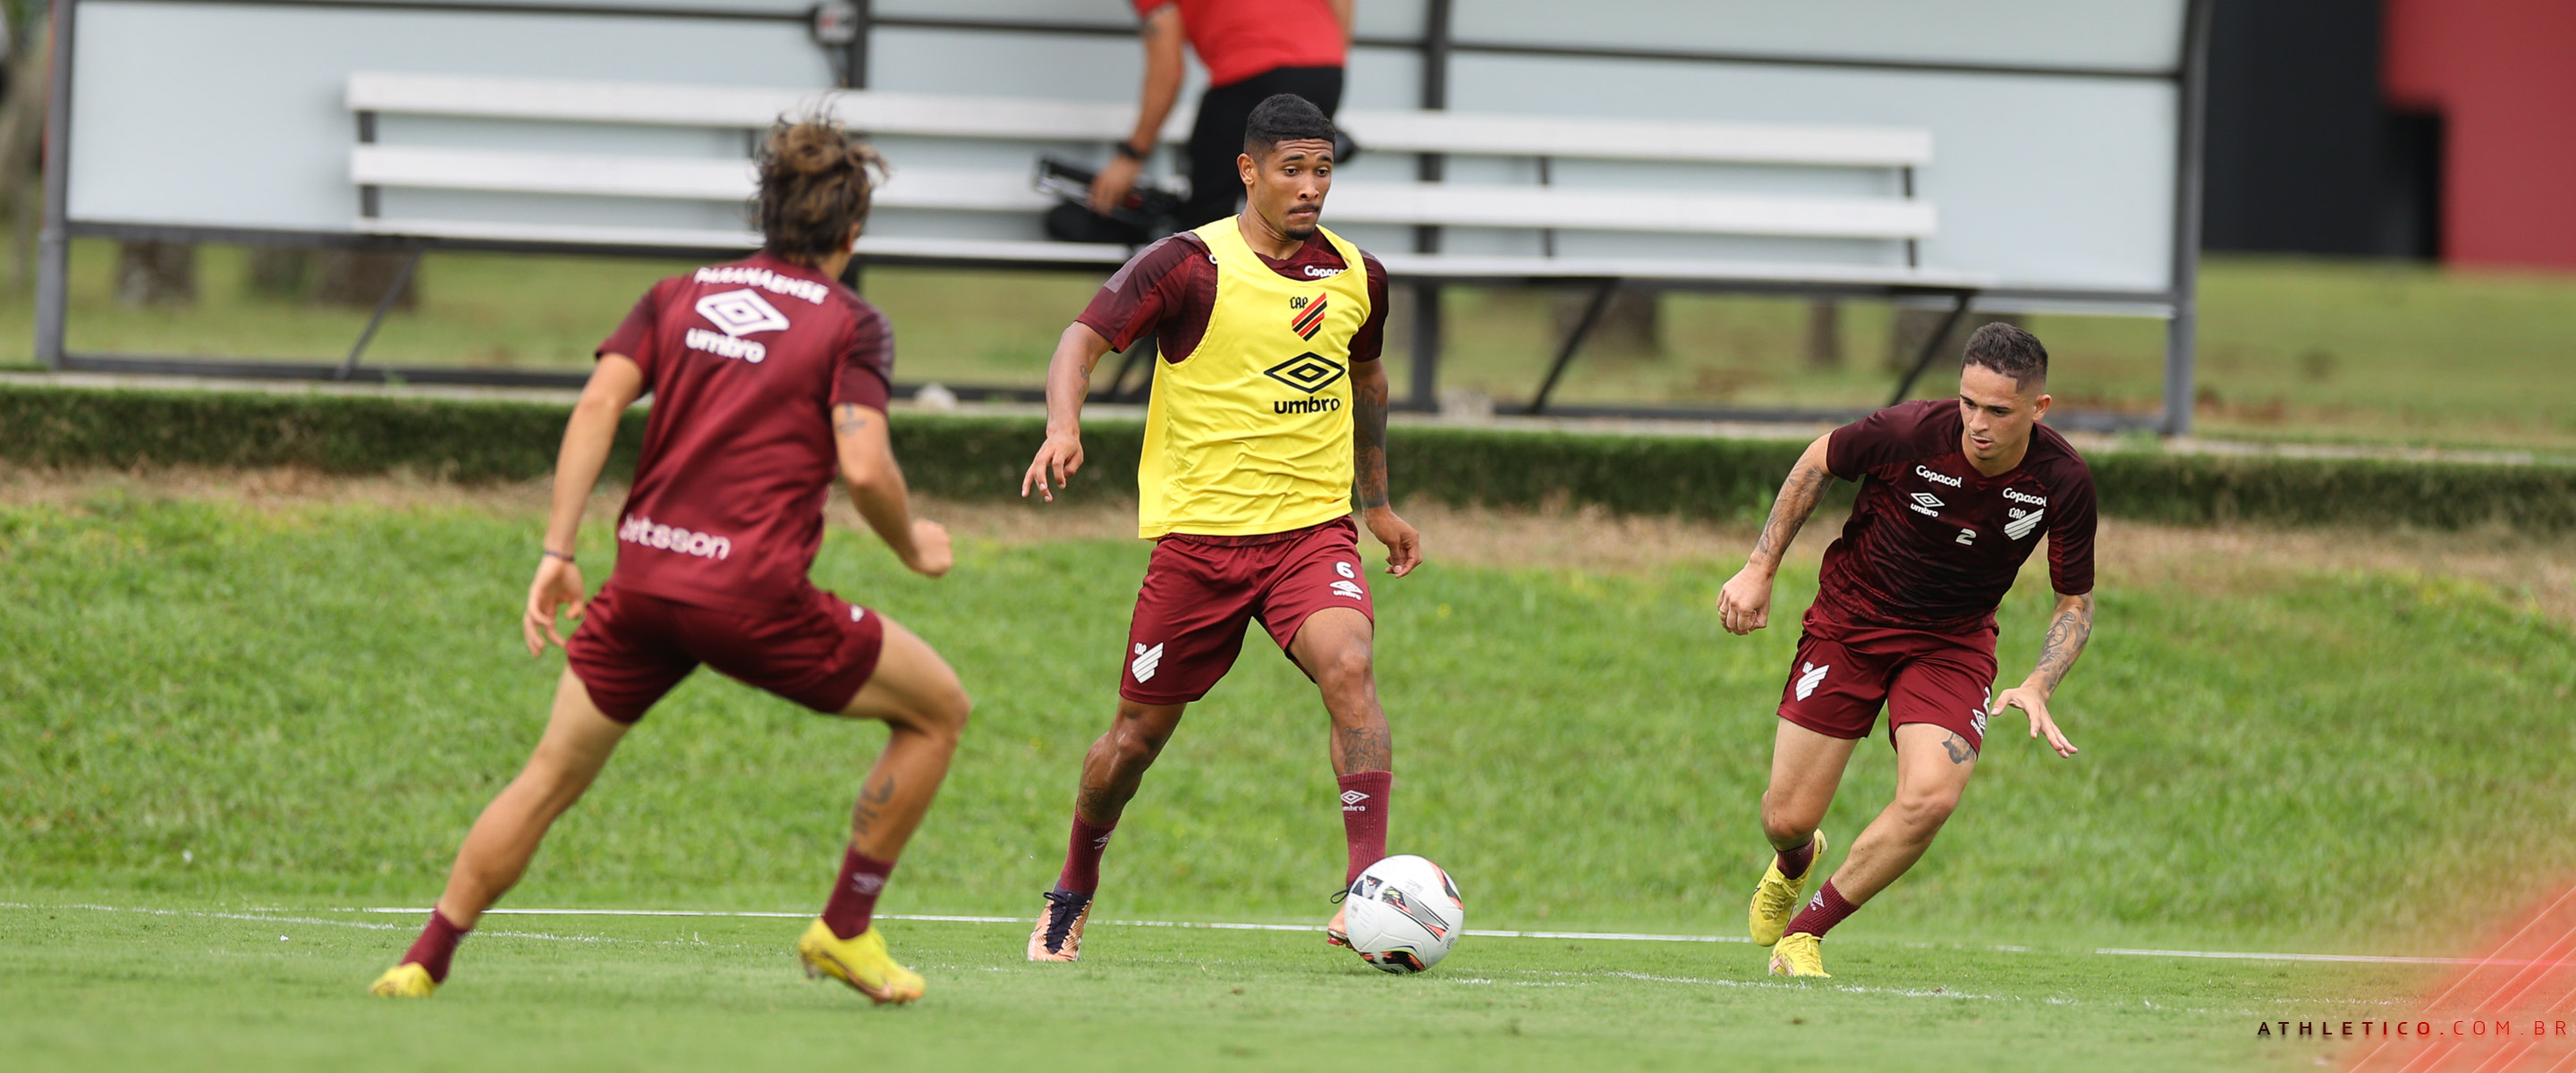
<point x="556" y="554"/>
<point x="1129" y="150"/>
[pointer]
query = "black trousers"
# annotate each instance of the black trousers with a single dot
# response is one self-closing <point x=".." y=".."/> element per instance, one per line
<point x="1217" y="138"/>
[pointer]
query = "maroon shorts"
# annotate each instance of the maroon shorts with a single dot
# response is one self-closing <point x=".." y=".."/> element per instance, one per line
<point x="1836" y="686"/>
<point x="633" y="647"/>
<point x="1200" y="590"/>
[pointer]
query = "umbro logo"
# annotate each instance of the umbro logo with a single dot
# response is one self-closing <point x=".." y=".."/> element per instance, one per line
<point x="1808" y="677"/>
<point x="740" y="313"/>
<point x="1307" y="315"/>
<point x="1308" y="372"/>
<point x="1146" y="662"/>
<point x="2022" y="522"/>
<point x="1351" y="801"/>
<point x="1928" y="499"/>
<point x="865" y="883"/>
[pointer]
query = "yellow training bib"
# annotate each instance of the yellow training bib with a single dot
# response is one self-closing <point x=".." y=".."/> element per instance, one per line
<point x="1250" y="433"/>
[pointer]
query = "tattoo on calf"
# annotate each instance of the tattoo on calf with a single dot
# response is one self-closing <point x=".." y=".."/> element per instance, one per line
<point x="1364" y="748"/>
<point x="872" y="801"/>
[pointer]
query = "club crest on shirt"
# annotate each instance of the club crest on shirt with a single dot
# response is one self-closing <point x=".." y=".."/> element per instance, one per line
<point x="1306" y="315"/>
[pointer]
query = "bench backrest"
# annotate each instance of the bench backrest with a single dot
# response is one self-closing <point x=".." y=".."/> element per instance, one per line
<point x="1523" y="206"/>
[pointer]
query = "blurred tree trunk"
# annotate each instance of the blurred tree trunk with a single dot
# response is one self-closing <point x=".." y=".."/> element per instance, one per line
<point x="1914" y="326"/>
<point x="1824" y="334"/>
<point x="22" y="136"/>
<point x="1629" y="326"/>
<point x="278" y="271"/>
<point x="360" y="278"/>
<point x="156" y="274"/>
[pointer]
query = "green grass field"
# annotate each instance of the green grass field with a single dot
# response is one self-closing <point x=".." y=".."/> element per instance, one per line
<point x="2290" y="349"/>
<point x="275" y="989"/>
<point x="284" y="712"/>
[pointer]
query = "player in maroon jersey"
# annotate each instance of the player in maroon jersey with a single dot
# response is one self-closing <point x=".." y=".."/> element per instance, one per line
<point x="769" y="378"/>
<point x="1954" y="496"/>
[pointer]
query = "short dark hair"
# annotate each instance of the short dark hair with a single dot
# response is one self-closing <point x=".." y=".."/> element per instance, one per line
<point x="1284" y="117"/>
<point x="2010" y="351"/>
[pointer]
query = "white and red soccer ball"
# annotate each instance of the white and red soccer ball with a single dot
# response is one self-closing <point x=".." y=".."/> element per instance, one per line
<point x="1403" y="914"/>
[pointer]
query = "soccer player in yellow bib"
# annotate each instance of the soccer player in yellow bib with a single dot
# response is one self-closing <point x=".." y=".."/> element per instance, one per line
<point x="1268" y="414"/>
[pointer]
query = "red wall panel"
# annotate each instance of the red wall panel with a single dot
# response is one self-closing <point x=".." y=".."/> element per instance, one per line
<point x="2503" y="75"/>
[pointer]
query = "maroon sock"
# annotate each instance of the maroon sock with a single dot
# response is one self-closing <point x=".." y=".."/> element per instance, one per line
<point x="1794" y="862"/>
<point x="1082" y="850"/>
<point x="854" y="898"/>
<point x="1823" y="911"/>
<point x="437" y="943"/>
<point x="1364" y="795"/>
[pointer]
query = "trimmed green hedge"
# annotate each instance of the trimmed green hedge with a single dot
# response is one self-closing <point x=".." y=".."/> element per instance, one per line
<point x="963" y="457"/>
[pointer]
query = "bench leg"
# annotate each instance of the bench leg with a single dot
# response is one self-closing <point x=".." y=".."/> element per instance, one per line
<point x="384" y="305"/>
<point x="1932" y="346"/>
<point x="1573" y="342"/>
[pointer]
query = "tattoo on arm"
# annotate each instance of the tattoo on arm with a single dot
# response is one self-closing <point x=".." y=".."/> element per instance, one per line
<point x="848" y="418"/>
<point x="2065" y="641"/>
<point x="1364" y="748"/>
<point x="1798" y="498"/>
<point x="1368" y="406"/>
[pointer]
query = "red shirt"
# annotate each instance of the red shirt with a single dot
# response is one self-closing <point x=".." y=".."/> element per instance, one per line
<point x="1932" y="544"/>
<point x="1169" y="288"/>
<point x="1238" y="39"/>
<point x="745" y="362"/>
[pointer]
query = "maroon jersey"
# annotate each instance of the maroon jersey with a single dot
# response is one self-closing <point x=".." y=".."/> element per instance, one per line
<point x="1169" y="289"/>
<point x="745" y="362"/>
<point x="1932" y="544"/>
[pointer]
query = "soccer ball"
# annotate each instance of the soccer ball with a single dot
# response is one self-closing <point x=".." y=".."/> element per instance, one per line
<point x="1403" y="914"/>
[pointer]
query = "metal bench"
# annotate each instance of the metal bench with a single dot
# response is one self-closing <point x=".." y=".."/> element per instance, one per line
<point x="1889" y="225"/>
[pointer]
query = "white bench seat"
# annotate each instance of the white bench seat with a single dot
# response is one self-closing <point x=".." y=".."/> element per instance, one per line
<point x="1457" y="205"/>
<point x="1031" y="119"/>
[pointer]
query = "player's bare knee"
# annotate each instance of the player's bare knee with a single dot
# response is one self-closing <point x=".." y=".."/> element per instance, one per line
<point x="1784" y="826"/>
<point x="1348" y="667"/>
<point x="1926" y="810"/>
<point x="1131" y="748"/>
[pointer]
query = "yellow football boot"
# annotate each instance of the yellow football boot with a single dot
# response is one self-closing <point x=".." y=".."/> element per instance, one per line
<point x="407" y="980"/>
<point x="860" y="961"/>
<point x="1779" y="897"/>
<point x="1799" y="955"/>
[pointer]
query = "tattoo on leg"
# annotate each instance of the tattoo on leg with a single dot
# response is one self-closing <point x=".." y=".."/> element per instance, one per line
<point x="1098" y="801"/>
<point x="1364" y="748"/>
<point x="1958" y="749"/>
<point x="872" y="801"/>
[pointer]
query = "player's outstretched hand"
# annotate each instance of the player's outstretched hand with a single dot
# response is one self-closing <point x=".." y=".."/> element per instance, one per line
<point x="558" y="584"/>
<point x="2034" y="703"/>
<point x="1744" y="604"/>
<point x="1403" y="543"/>
<point x="931" y="554"/>
<point x="1060" y="456"/>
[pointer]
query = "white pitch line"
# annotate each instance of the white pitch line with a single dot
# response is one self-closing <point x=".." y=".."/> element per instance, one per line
<point x="1601" y="936"/>
<point x="2376" y="959"/>
<point x="1605" y="936"/>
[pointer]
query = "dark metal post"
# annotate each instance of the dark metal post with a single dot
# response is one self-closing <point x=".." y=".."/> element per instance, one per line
<point x="384" y="305"/>
<point x="1425" y="395"/>
<point x="1932" y="346"/>
<point x="2182" y="332"/>
<point x="855" y="63"/>
<point x="1573" y="342"/>
<point x="53" y="242"/>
